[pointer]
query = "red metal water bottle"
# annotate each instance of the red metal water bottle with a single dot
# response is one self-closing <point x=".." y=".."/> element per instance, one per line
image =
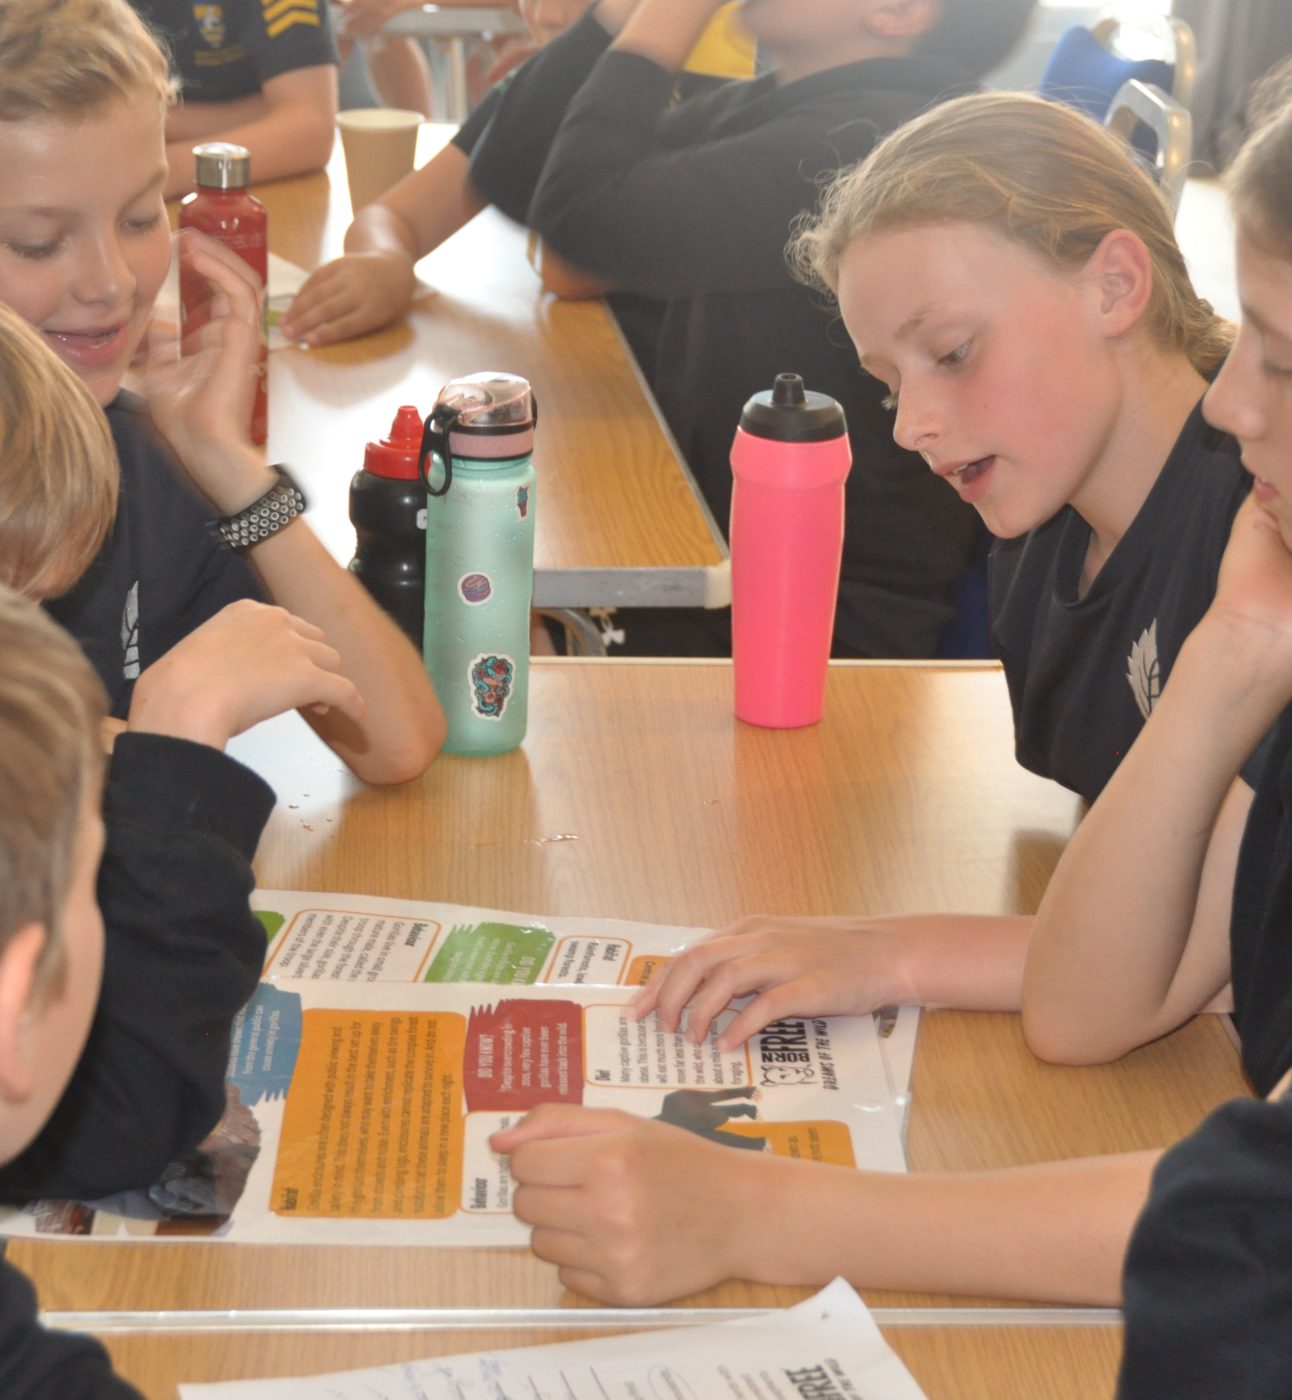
<point x="222" y="208"/>
<point x="790" y="459"/>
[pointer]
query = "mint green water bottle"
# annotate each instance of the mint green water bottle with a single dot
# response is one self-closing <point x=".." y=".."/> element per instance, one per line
<point x="476" y="464"/>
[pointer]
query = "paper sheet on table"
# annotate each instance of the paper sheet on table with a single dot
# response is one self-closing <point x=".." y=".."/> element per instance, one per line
<point x="827" y="1348"/>
<point x="365" y="938"/>
<point x="285" y="280"/>
<point x="372" y="1064"/>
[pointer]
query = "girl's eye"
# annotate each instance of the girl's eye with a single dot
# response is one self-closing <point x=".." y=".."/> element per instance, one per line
<point x="143" y="225"/>
<point x="1277" y="371"/>
<point x="956" y="356"/>
<point x="33" y="250"/>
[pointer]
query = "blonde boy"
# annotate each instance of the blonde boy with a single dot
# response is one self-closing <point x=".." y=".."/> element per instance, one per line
<point x="84" y="248"/>
<point x="51" y="940"/>
<point x="183" y="950"/>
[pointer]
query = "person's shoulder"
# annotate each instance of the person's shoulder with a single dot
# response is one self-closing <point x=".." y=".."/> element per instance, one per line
<point x="1202" y="483"/>
<point x="36" y="1363"/>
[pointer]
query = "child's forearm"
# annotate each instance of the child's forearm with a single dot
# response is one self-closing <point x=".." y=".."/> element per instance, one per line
<point x="1055" y="1232"/>
<point x="291" y="133"/>
<point x="973" y="962"/>
<point x="665" y="31"/>
<point x="404" y="727"/>
<point x="1132" y="935"/>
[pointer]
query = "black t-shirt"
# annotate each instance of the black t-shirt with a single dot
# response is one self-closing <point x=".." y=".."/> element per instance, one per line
<point x="160" y="574"/>
<point x="1260" y="930"/>
<point x="39" y="1364"/>
<point x="1085" y="670"/>
<point x="231" y="49"/>
<point x="686" y="208"/>
<point x="1208" y="1276"/>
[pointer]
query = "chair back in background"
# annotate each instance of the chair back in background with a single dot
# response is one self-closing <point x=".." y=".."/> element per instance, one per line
<point x="1089" y="66"/>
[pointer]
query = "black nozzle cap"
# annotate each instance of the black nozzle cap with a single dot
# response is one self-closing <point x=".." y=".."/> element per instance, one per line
<point x="787" y="412"/>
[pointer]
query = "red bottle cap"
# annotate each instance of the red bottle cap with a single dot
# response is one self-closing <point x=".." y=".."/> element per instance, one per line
<point x="396" y="456"/>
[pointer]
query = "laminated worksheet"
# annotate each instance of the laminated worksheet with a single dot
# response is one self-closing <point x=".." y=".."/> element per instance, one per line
<point x="364" y="938"/>
<point x="375" y="1060"/>
<point x="827" y="1348"/>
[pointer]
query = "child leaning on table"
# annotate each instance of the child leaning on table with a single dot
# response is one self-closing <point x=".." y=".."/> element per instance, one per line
<point x="52" y="951"/>
<point x="1208" y="1284"/>
<point x="1147" y="918"/>
<point x="183" y="950"/>
<point x="1014" y="279"/>
<point x="51" y="943"/>
<point x="177" y="947"/>
<point x="84" y="249"/>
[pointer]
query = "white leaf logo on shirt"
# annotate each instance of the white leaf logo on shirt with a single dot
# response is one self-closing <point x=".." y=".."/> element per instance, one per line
<point x="1143" y="673"/>
<point x="130" y="634"/>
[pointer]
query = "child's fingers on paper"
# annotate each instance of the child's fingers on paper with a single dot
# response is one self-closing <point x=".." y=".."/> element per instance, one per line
<point x="554" y="1120"/>
<point x="683" y="979"/>
<point x="765" y="1008"/>
<point x="643" y="1002"/>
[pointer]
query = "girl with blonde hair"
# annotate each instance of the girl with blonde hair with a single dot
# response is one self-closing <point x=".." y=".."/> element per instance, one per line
<point x="1007" y="272"/>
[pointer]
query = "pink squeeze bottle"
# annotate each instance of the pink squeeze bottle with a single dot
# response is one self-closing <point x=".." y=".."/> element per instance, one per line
<point x="790" y="459"/>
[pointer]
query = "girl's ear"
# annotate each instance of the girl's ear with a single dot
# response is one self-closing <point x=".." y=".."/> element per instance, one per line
<point x="19" y="962"/>
<point x="902" y="19"/>
<point x="1119" y="274"/>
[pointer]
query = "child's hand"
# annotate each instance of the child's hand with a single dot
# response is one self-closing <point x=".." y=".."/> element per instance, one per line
<point x="201" y="400"/>
<point x="1253" y="603"/>
<point x="633" y="1212"/>
<point x="800" y="967"/>
<point x="357" y="293"/>
<point x="246" y="664"/>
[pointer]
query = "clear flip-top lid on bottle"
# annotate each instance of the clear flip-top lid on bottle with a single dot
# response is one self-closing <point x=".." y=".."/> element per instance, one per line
<point x="494" y="415"/>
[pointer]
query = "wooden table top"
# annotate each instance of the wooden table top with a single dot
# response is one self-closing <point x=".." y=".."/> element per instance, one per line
<point x="639" y="795"/>
<point x="618" y="516"/>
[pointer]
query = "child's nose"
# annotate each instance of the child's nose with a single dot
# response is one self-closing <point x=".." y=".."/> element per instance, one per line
<point x="103" y="273"/>
<point x="915" y="427"/>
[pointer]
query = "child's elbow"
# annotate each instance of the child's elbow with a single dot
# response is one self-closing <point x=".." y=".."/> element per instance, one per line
<point x="1060" y="1040"/>
<point x="407" y="759"/>
<point x="314" y="148"/>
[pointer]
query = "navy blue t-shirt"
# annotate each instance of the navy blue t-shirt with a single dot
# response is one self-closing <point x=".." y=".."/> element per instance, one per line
<point x="1084" y="670"/>
<point x="160" y="574"/>
<point x="232" y="48"/>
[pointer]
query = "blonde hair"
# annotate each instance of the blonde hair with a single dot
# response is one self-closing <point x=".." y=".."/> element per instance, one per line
<point x="51" y="767"/>
<point x="1260" y="179"/>
<point x="1035" y="172"/>
<point x="64" y="58"/>
<point x="58" y="466"/>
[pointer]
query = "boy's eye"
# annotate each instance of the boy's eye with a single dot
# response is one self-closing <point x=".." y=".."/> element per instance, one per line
<point x="144" y="224"/>
<point x="1277" y="371"/>
<point x="956" y="356"/>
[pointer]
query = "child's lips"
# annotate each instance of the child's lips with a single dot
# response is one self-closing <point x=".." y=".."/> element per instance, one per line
<point x="89" y="348"/>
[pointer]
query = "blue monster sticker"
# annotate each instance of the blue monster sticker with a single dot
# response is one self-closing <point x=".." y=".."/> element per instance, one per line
<point x="491" y="678"/>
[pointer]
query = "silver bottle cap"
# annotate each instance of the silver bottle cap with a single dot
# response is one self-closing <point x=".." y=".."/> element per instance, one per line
<point x="222" y="165"/>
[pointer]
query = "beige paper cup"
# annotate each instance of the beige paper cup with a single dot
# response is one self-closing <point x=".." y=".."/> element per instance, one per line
<point x="380" y="144"/>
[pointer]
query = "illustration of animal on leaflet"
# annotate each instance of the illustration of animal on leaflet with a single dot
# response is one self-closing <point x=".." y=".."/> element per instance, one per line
<point x="706" y="1112"/>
